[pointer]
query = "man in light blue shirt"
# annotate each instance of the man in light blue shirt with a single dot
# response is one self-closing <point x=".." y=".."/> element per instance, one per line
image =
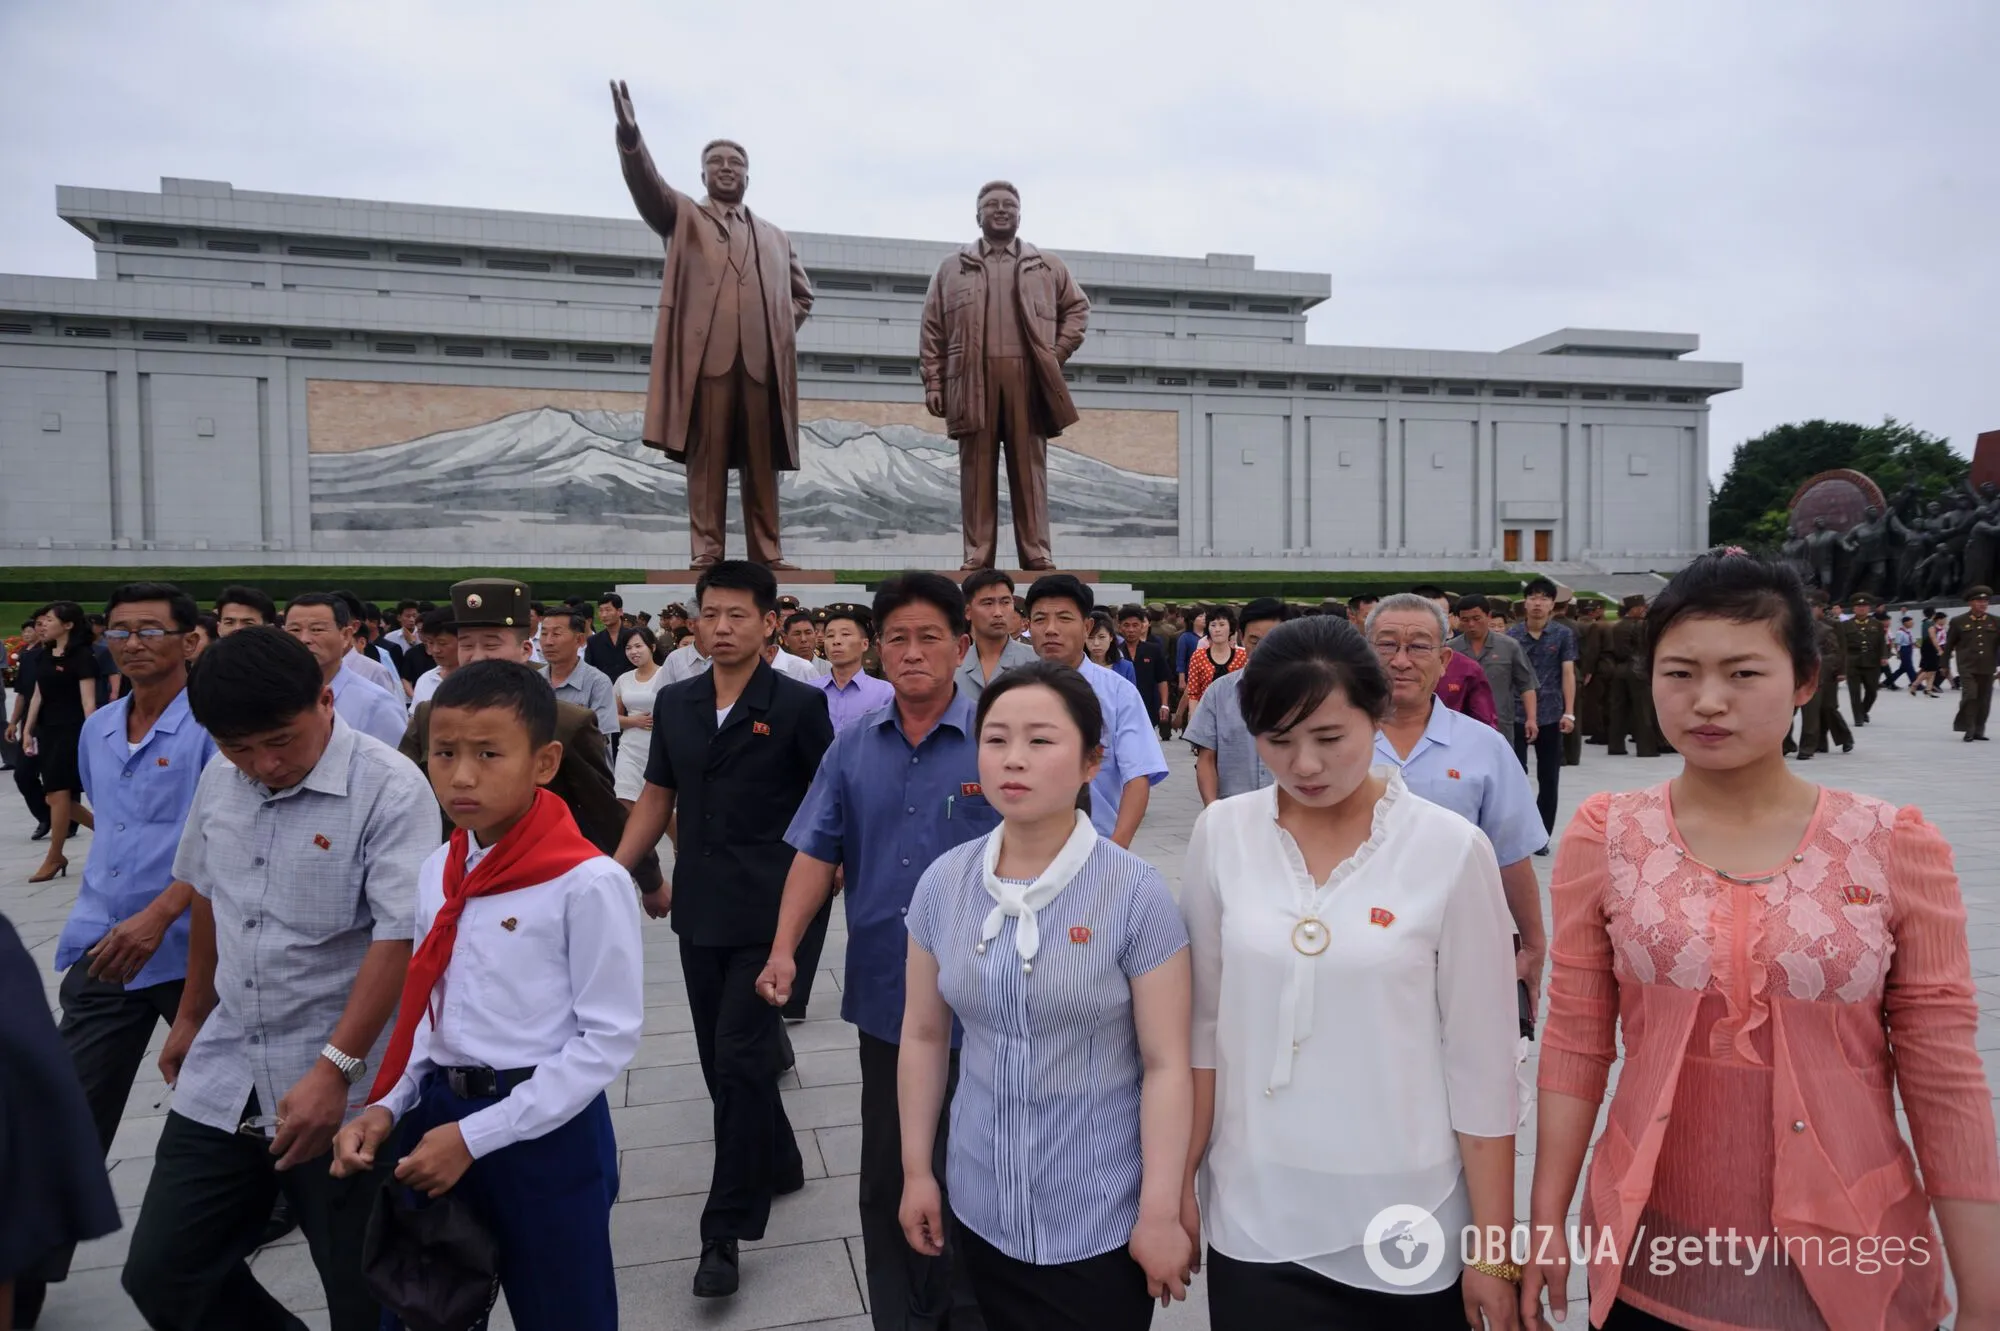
<point x="1059" y="608"/>
<point x="851" y="692"/>
<point x="320" y="621"/>
<point x="1453" y="760"/>
<point x="123" y="952"/>
<point x="1226" y="761"/>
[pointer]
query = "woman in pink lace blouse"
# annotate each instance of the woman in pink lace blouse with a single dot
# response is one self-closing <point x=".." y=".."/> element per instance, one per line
<point x="1782" y="961"/>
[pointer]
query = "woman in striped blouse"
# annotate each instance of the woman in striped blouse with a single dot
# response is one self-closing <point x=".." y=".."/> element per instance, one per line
<point x="1064" y="958"/>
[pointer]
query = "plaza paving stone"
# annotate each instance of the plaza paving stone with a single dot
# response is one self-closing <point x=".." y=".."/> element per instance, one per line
<point x="806" y="1272"/>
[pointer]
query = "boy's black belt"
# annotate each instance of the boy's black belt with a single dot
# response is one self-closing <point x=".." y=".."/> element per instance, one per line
<point x="474" y="1083"/>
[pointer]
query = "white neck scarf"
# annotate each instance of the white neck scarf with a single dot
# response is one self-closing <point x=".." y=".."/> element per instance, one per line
<point x="1022" y="900"/>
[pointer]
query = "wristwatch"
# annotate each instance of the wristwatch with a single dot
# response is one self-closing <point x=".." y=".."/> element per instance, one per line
<point x="351" y="1068"/>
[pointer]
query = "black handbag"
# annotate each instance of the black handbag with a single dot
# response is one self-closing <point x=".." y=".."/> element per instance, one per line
<point x="432" y="1263"/>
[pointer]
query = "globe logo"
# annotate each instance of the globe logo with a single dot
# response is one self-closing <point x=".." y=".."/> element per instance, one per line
<point x="1404" y="1245"/>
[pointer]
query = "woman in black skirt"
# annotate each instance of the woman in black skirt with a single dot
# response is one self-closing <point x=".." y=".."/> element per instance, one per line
<point x="66" y="692"/>
<point x="1929" y="659"/>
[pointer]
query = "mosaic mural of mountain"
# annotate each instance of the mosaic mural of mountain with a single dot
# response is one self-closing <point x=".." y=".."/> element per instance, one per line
<point x="553" y="480"/>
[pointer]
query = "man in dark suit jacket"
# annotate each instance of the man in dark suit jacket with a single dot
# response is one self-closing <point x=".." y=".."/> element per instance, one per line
<point x="493" y="624"/>
<point x="734" y="750"/>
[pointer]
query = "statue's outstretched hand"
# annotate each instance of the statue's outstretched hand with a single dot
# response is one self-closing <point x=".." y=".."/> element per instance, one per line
<point x="621" y="103"/>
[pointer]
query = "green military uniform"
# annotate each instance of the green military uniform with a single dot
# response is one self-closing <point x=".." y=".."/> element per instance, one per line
<point x="1822" y="718"/>
<point x="1864" y="640"/>
<point x="1629" y="701"/>
<point x="1973" y="642"/>
<point x="583" y="780"/>
<point x="1592" y="690"/>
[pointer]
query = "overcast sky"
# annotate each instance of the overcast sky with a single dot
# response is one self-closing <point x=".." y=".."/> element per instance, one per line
<point x="1812" y="187"/>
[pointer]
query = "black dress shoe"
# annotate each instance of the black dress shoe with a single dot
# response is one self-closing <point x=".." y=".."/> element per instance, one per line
<point x="1847" y="747"/>
<point x="1968" y="737"/>
<point x="42" y="830"/>
<point x="716" y="1277"/>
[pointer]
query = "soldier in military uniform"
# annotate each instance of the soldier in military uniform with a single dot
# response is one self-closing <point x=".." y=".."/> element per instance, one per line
<point x="1822" y="710"/>
<point x="583" y="780"/>
<point x="1628" y="683"/>
<point x="1864" y="641"/>
<point x="1593" y="630"/>
<point x="1973" y="640"/>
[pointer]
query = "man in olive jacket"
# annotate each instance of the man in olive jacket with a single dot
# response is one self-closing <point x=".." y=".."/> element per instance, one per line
<point x="999" y="321"/>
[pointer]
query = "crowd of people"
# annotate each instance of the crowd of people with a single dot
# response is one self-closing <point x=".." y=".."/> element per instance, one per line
<point x="387" y="888"/>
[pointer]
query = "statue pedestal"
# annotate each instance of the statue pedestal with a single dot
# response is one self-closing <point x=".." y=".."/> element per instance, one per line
<point x="687" y="577"/>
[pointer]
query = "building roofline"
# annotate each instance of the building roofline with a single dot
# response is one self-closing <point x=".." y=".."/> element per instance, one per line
<point x="1608" y="342"/>
<point x="219" y="206"/>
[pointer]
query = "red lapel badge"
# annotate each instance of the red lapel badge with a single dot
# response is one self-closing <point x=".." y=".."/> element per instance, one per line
<point x="967" y="789"/>
<point x="319" y="839"/>
<point x="1376" y="915"/>
<point x="163" y="762"/>
<point x="1451" y="772"/>
<point x="759" y="728"/>
<point x="1857" y="895"/>
<point x="1079" y="933"/>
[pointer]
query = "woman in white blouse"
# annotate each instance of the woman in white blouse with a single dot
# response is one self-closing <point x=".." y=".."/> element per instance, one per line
<point x="634" y="692"/>
<point x="1354" y="1022"/>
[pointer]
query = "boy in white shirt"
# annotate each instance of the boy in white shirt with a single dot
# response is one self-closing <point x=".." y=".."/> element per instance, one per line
<point x="524" y="1000"/>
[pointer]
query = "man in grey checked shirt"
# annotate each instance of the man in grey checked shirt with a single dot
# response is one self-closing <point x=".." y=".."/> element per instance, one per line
<point x="302" y="845"/>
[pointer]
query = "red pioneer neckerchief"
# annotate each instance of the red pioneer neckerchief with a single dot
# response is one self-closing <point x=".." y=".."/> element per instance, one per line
<point x="544" y="845"/>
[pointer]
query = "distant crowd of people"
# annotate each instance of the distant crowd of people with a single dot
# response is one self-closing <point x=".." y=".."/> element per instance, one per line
<point x="387" y="890"/>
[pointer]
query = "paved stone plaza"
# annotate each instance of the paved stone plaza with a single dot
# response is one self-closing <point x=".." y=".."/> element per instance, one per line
<point x="806" y="1273"/>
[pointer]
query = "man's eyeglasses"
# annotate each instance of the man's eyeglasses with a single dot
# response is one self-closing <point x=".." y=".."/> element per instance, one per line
<point x="120" y="635"/>
<point x="1387" y="648"/>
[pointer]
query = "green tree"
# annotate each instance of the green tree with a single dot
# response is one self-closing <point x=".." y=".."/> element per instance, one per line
<point x="1748" y="508"/>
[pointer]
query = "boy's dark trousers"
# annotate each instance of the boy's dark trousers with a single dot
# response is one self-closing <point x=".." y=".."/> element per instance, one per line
<point x="547" y="1201"/>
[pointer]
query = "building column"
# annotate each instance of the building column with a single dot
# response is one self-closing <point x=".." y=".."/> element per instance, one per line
<point x="128" y="451"/>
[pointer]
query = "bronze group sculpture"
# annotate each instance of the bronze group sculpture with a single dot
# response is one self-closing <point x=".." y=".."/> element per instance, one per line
<point x="723" y="392"/>
<point x="1910" y="550"/>
<point x="999" y="320"/>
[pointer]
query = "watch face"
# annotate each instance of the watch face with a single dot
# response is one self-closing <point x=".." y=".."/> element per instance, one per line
<point x="360" y="1071"/>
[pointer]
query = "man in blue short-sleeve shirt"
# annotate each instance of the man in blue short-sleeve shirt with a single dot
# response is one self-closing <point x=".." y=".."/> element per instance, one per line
<point x="1059" y="607"/>
<point x="1453" y="760"/>
<point x="124" y="949"/>
<point x="897" y="789"/>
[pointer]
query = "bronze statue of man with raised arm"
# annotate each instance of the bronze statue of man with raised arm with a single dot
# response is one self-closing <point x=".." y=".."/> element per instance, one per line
<point x="1000" y="319"/>
<point x="724" y="388"/>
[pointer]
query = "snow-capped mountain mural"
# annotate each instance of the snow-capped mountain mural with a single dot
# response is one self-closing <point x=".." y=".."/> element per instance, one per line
<point x="556" y="480"/>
